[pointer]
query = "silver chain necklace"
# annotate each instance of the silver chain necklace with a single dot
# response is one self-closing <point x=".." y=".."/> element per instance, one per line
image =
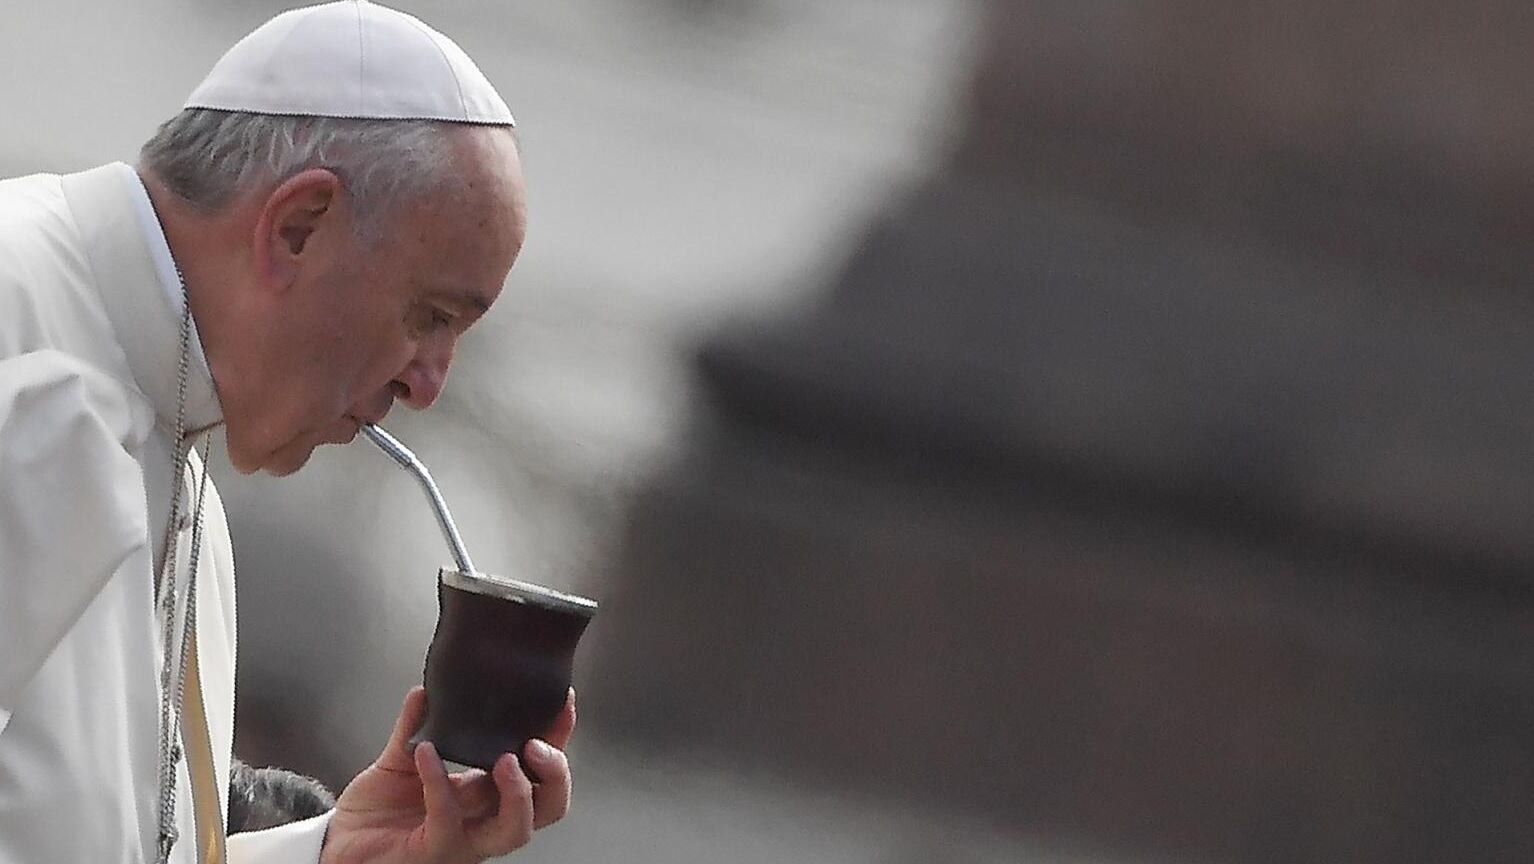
<point x="173" y="675"/>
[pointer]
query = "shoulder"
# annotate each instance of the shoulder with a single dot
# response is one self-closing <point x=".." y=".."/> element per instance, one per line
<point x="34" y="217"/>
<point x="20" y="197"/>
<point x="41" y="258"/>
<point x="56" y="392"/>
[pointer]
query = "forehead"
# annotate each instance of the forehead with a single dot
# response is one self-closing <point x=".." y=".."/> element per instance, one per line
<point x="487" y="157"/>
<point x="474" y="225"/>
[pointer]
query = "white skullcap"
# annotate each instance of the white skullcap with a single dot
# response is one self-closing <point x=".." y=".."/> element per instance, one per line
<point x="351" y="59"/>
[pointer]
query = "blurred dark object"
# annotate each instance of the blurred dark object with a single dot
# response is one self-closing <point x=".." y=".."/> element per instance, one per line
<point x="1160" y="473"/>
<point x="261" y="798"/>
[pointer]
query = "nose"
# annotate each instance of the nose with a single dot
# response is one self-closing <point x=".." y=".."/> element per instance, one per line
<point x="422" y="380"/>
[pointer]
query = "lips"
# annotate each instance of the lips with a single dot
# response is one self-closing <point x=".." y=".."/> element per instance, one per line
<point x="340" y="433"/>
<point x="352" y="425"/>
<point x="372" y="416"/>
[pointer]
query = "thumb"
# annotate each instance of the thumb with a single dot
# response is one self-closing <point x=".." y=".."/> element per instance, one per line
<point x="398" y="755"/>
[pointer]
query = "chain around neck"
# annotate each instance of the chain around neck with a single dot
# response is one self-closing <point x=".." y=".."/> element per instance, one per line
<point x="173" y="664"/>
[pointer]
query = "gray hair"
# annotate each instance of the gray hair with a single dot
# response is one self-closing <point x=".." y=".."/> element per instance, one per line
<point x="208" y="157"/>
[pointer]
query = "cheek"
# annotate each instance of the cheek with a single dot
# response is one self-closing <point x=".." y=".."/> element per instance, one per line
<point x="379" y="355"/>
<point x="338" y="371"/>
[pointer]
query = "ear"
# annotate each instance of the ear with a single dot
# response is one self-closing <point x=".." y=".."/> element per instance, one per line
<point x="300" y="219"/>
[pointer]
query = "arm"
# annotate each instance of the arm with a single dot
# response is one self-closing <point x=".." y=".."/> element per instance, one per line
<point x="71" y="502"/>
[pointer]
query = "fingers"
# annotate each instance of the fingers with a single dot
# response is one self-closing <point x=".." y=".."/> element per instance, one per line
<point x="397" y="755"/>
<point x="551" y="797"/>
<point x="464" y="805"/>
<point x="512" y="826"/>
<point x="476" y="793"/>
<point x="564" y="725"/>
<point x="444" y="819"/>
<point x="489" y="815"/>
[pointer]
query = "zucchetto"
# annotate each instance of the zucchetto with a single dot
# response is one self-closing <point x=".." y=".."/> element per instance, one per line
<point x="351" y="59"/>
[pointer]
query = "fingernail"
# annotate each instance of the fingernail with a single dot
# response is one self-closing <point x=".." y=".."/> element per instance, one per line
<point x="540" y="751"/>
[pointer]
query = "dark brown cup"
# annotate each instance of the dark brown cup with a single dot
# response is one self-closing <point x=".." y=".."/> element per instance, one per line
<point x="499" y="664"/>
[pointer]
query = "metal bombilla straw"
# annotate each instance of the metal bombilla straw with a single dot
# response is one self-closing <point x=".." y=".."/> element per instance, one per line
<point x="408" y="461"/>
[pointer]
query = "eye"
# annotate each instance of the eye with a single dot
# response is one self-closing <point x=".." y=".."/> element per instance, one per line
<point x="426" y="319"/>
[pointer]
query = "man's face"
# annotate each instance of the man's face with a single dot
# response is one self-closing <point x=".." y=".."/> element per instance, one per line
<point x="360" y="328"/>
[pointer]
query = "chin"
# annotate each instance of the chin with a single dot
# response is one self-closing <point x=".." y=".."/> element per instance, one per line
<point x="241" y="461"/>
<point x="277" y="464"/>
<point x="285" y="468"/>
<point x="287" y="461"/>
<point x="248" y="453"/>
<point x="288" y="457"/>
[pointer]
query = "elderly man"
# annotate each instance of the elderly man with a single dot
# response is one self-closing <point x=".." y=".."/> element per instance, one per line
<point x="301" y="247"/>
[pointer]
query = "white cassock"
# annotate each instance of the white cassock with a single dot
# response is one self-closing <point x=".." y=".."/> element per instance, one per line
<point x="90" y="313"/>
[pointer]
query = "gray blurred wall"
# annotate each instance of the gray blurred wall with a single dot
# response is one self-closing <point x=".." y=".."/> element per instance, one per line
<point x="1157" y="474"/>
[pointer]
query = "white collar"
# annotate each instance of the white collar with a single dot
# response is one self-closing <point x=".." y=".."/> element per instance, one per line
<point x="136" y="277"/>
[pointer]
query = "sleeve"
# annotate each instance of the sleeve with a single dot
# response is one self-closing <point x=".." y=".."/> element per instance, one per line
<point x="294" y="843"/>
<point x="71" y="502"/>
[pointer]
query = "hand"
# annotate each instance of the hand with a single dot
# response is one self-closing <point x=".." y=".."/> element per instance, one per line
<point x="406" y="809"/>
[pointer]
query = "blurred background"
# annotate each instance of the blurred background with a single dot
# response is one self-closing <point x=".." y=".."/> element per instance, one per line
<point x="996" y="431"/>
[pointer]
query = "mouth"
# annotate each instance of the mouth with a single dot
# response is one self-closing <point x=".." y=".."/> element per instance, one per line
<point x="352" y="425"/>
<point x="356" y="423"/>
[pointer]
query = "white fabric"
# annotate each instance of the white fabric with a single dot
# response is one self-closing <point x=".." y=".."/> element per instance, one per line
<point x="297" y="842"/>
<point x="164" y="262"/>
<point x="89" y="344"/>
<point x="351" y="59"/>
